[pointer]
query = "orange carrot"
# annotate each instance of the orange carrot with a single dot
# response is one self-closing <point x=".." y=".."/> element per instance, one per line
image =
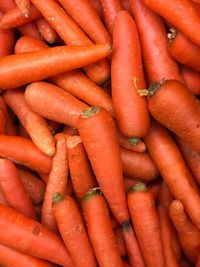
<point x="100" y="229"/>
<point x="22" y="151"/>
<point x="101" y="137"/>
<point x="28" y="44"/>
<point x="2" y="122"/>
<point x="24" y="7"/>
<point x="138" y="165"/>
<point x="46" y="31"/>
<point x="3" y="201"/>
<point x="97" y="7"/>
<point x="120" y="242"/>
<point x="131" y="109"/>
<point x="73" y="231"/>
<point x="127" y="5"/>
<point x="192" y="79"/>
<point x="32" y="238"/>
<point x="7" y="5"/>
<point x="33" y="123"/>
<point x="41" y="96"/>
<point x="188" y="233"/>
<point x="30" y="29"/>
<point x="129" y="182"/>
<point x="71" y="34"/>
<point x="18" y="69"/>
<point x="80" y="170"/>
<point x="34" y="186"/>
<point x="146" y="224"/>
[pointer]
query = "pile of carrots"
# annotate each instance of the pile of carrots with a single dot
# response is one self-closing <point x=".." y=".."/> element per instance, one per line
<point x="99" y="133"/>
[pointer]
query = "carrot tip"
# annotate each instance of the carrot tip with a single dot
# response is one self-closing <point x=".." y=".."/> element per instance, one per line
<point x="138" y="187"/>
<point x="143" y="92"/>
<point x="57" y="198"/>
<point x="134" y="141"/>
<point x="86" y="113"/>
<point x="91" y="193"/>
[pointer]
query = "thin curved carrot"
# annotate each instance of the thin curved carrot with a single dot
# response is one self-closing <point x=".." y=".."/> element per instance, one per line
<point x="191" y="79"/>
<point x="24" y="7"/>
<point x="46" y="31"/>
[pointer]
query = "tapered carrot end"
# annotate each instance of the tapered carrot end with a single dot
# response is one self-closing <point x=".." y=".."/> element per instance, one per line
<point x="57" y="198"/>
<point x="91" y="193"/>
<point x="138" y="187"/>
<point x="86" y="113"/>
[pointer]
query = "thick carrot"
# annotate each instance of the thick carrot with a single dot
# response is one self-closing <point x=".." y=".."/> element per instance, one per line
<point x="29" y="44"/>
<point x="191" y="79"/>
<point x="132" y="246"/>
<point x="100" y="229"/>
<point x="73" y="231"/>
<point x="22" y="151"/>
<point x="192" y="158"/>
<point x="32" y="238"/>
<point x="46" y="31"/>
<point x="13" y="17"/>
<point x="146" y="224"/>
<point x="97" y="7"/>
<point x="86" y="17"/>
<point x="183" y="110"/>
<point x="24" y="7"/>
<point x="166" y="234"/>
<point x="18" y="69"/>
<point x="173" y="169"/>
<point x="53" y="103"/>
<point x="153" y="39"/>
<point x="57" y="183"/>
<point x="120" y="241"/>
<point x="110" y="9"/>
<point x="181" y="14"/>
<point x="101" y="145"/>
<point x="7" y="5"/>
<point x="82" y="176"/>
<point x="10" y="257"/>
<point x="188" y="233"/>
<point x="34" y="124"/>
<point x="34" y="186"/>
<point x="30" y="29"/>
<point x="183" y="50"/>
<point x="13" y="189"/>
<point x="138" y="165"/>
<point x="70" y="32"/>
<point x="131" y="109"/>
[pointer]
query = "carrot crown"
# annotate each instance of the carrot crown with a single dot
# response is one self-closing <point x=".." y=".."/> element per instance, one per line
<point x="138" y="187"/>
<point x="57" y="198"/>
<point x="91" y="193"/>
<point x="88" y="112"/>
<point x="133" y="141"/>
<point x="153" y="88"/>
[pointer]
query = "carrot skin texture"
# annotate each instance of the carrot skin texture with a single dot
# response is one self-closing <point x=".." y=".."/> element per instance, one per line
<point x="29" y="44"/>
<point x="18" y="69"/>
<point x="7" y="5"/>
<point x="107" y="169"/>
<point x="82" y="176"/>
<point x="181" y="14"/>
<point x="191" y="79"/>
<point x="66" y="109"/>
<point x="24" y="7"/>
<point x="183" y="111"/>
<point x="10" y="257"/>
<point x="169" y="161"/>
<point x="35" y="125"/>
<point x="152" y="31"/>
<point x="30" y="29"/>
<point x="31" y="237"/>
<point x="73" y="232"/>
<point x="131" y="109"/>
<point x="22" y="151"/>
<point x="100" y="231"/>
<point x="46" y="31"/>
<point x="146" y="224"/>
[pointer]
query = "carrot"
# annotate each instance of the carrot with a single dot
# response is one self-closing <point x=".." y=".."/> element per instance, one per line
<point x="129" y="182"/>
<point x="120" y="242"/>
<point x="138" y="165"/>
<point x="188" y="233"/>
<point x="165" y="226"/>
<point x="110" y="9"/>
<point x="107" y="167"/>
<point x="30" y="29"/>
<point x="80" y="170"/>
<point x="7" y="5"/>
<point x="127" y="5"/>
<point x="29" y="44"/>
<point x="192" y="158"/>
<point x="181" y="14"/>
<point x="34" y="186"/>
<point x="2" y="122"/>
<point x="33" y="238"/>
<point x="22" y="151"/>
<point x="132" y="246"/>
<point x="165" y="196"/>
<point x="86" y="17"/>
<point x="71" y="34"/>
<point x="100" y="229"/>
<point x="34" y="124"/>
<point x="40" y="97"/>
<point x="183" y="50"/>
<point x="57" y="183"/>
<point x="97" y="7"/>
<point x="13" y="17"/>
<point x="131" y="109"/>
<point x="153" y="40"/>
<point x="22" y="132"/>
<point x="44" y="177"/>
<point x="18" y="69"/>
<point x="146" y="224"/>
<point x="183" y="110"/>
<point x="46" y="31"/>
<point x="10" y="257"/>
<point x="24" y="7"/>
<point x="126" y="264"/>
<point x="73" y="231"/>
<point x="173" y="169"/>
<point x="191" y="79"/>
<point x="13" y="189"/>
